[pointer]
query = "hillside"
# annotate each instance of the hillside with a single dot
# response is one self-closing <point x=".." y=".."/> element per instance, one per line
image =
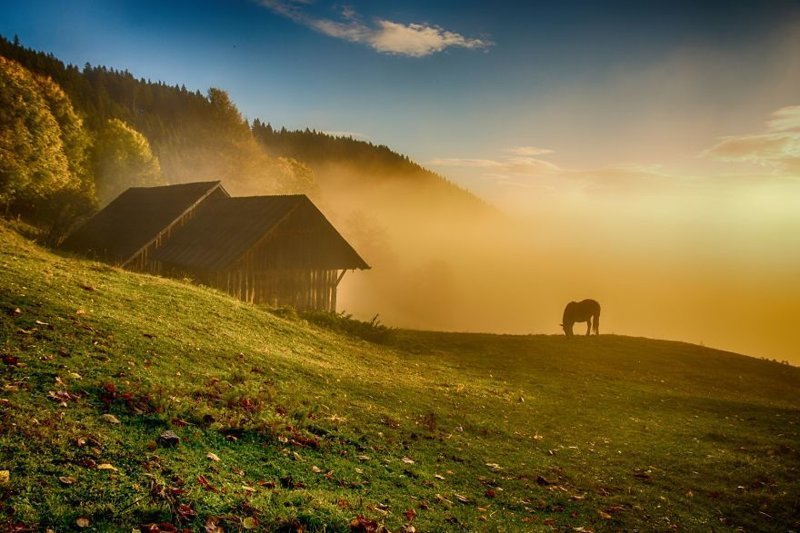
<point x="129" y="400"/>
<point x="411" y="225"/>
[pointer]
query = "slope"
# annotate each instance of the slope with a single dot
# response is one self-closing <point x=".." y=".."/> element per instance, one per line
<point x="128" y="400"/>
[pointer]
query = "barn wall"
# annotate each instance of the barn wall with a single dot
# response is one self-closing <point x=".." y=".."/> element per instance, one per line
<point x="302" y="289"/>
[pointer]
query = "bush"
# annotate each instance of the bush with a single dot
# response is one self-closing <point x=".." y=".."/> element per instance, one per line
<point x="372" y="331"/>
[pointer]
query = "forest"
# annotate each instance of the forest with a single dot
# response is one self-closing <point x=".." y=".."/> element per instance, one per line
<point x="74" y="138"/>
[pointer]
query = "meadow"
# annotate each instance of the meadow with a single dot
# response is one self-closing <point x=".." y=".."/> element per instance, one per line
<point x="134" y="402"/>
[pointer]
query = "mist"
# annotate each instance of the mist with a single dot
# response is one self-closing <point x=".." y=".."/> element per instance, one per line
<point x="695" y="266"/>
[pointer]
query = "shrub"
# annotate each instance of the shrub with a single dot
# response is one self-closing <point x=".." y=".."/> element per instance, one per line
<point x="372" y="331"/>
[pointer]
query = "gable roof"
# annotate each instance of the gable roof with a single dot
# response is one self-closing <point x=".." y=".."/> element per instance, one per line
<point x="225" y="229"/>
<point x="136" y="218"/>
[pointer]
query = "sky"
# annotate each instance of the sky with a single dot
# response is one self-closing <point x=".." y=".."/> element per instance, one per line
<point x="658" y="141"/>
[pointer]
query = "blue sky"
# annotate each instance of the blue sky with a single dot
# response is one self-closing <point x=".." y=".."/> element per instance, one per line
<point x="491" y="85"/>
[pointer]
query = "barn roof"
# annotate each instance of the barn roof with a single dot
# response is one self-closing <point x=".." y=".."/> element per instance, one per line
<point x="225" y="229"/>
<point x="135" y="218"/>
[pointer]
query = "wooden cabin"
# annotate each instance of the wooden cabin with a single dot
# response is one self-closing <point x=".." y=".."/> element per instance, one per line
<point x="276" y="250"/>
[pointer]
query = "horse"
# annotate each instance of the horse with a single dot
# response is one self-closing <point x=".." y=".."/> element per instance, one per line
<point x="586" y="311"/>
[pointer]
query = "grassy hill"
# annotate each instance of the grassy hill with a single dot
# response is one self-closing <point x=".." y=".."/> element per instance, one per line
<point x="128" y="400"/>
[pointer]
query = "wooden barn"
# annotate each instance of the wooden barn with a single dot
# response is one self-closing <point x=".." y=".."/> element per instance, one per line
<point x="277" y="250"/>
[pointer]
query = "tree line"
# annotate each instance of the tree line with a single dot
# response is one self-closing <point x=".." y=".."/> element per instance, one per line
<point x="74" y="138"/>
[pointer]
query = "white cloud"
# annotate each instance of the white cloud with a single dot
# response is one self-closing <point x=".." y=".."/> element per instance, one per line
<point x="778" y="148"/>
<point x="785" y="119"/>
<point x="385" y="36"/>
<point x="520" y="163"/>
<point x="529" y="151"/>
<point x="519" y="169"/>
<point x="417" y="40"/>
<point x="465" y="163"/>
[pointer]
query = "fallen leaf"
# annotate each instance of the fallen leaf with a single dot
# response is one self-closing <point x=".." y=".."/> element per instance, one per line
<point x="411" y="514"/>
<point x="604" y="515"/>
<point x="490" y="493"/>
<point x="462" y="499"/>
<point x="439" y="476"/>
<point x="363" y="458"/>
<point x="360" y="524"/>
<point x="67" y="480"/>
<point x="186" y="512"/>
<point x="494" y="466"/>
<point x="212" y="456"/>
<point x="40" y="323"/>
<point x="343" y="504"/>
<point x="205" y="483"/>
<point x="111" y="419"/>
<point x="316" y="469"/>
<point x="249" y="523"/>
<point x="212" y="525"/>
<point x="441" y="498"/>
<point x="407" y="461"/>
<point x="5" y="477"/>
<point x="82" y="522"/>
<point x="107" y="466"/>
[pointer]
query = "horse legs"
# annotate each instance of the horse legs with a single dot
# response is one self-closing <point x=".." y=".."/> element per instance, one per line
<point x="589" y="326"/>
<point x="597" y="324"/>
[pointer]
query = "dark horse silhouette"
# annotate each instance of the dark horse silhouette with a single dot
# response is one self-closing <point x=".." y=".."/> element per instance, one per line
<point x="586" y="311"/>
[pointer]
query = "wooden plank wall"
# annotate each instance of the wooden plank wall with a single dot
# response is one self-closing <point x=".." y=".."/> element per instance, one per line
<point x="299" y="288"/>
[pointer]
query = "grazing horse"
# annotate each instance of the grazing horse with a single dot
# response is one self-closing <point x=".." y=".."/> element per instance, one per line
<point x="586" y="311"/>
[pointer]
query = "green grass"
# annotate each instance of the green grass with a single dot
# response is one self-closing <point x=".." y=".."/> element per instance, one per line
<point x="313" y="428"/>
